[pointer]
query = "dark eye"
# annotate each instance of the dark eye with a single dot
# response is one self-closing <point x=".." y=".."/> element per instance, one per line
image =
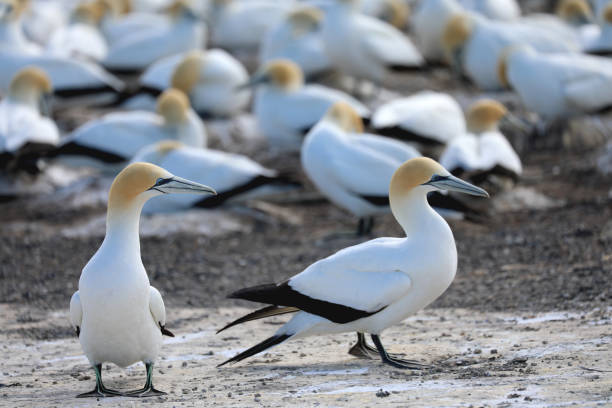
<point x="436" y="177"/>
<point x="159" y="181"/>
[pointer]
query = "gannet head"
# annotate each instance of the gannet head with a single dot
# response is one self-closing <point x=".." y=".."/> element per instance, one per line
<point x="575" y="12"/>
<point x="187" y="73"/>
<point x="139" y="181"/>
<point x="456" y="33"/>
<point x="31" y="85"/>
<point x="173" y="106"/>
<point x="504" y="58"/>
<point x="181" y="8"/>
<point x="280" y="73"/>
<point x="155" y="153"/>
<point x="396" y="13"/>
<point x="305" y="20"/>
<point x="484" y="115"/>
<point x="607" y="14"/>
<point x="423" y="175"/>
<point x="345" y="117"/>
<point x="90" y="13"/>
<point x="9" y="10"/>
<point x="116" y="7"/>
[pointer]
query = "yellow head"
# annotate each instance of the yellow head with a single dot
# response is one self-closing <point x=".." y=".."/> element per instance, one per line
<point x="166" y="146"/>
<point x="344" y="116"/>
<point x="179" y="8"/>
<point x="284" y="74"/>
<point x="10" y="10"/>
<point x="607" y="13"/>
<point x="91" y="12"/>
<point x="484" y="115"/>
<point x="575" y="11"/>
<point x="456" y="33"/>
<point x="413" y="173"/>
<point x="187" y="73"/>
<point x="30" y="82"/>
<point x="305" y="19"/>
<point x="397" y="13"/>
<point x="173" y="105"/>
<point x="115" y="7"/>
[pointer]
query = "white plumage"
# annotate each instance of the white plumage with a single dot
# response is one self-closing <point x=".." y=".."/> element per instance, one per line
<point x="428" y="23"/>
<point x="494" y="9"/>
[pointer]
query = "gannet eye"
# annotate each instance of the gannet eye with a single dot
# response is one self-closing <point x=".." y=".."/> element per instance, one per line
<point x="434" y="178"/>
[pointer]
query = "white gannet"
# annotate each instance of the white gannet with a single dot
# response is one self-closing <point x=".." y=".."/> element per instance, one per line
<point x="209" y="78"/>
<point x="236" y="177"/>
<point x="81" y="38"/>
<point x="428" y="23"/>
<point x="136" y="52"/>
<point x="240" y="26"/>
<point x="374" y="285"/>
<point x="118" y="316"/>
<point x="427" y="117"/>
<point x="394" y="12"/>
<point x="12" y="37"/>
<point x="494" y="9"/>
<point x="286" y="109"/>
<point x="120" y="21"/>
<point x="602" y="44"/>
<point x="42" y="18"/>
<point x="113" y="139"/>
<point x="556" y="86"/>
<point x="298" y="37"/>
<point x="473" y="44"/>
<point x="24" y="127"/>
<point x="365" y="47"/>
<point x="484" y="150"/>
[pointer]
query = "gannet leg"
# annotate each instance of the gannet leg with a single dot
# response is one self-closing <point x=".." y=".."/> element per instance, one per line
<point x="363" y="350"/>
<point x="365" y="225"/>
<point x="394" y="361"/>
<point x="100" y="390"/>
<point x="148" y="390"/>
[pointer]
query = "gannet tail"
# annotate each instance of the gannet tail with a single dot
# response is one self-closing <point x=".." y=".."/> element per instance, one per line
<point x="267" y="311"/>
<point x="264" y="345"/>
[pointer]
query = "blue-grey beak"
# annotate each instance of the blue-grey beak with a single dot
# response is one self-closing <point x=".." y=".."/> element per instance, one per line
<point x="452" y="183"/>
<point x="177" y="184"/>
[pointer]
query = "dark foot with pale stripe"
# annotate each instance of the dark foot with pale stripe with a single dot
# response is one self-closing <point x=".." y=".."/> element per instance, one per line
<point x="100" y="391"/>
<point x="394" y="361"/>
<point x="148" y="390"/>
<point x="363" y="350"/>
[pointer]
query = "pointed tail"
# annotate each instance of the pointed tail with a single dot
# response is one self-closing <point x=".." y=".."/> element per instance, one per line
<point x="267" y="311"/>
<point x="264" y="345"/>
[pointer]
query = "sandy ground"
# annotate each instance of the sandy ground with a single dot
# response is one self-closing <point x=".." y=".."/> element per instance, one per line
<point x="553" y="359"/>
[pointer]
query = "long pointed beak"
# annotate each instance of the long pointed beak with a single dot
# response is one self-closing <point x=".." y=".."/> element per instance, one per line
<point x="452" y="183"/>
<point x="256" y="79"/>
<point x="516" y="122"/>
<point x="177" y="184"/>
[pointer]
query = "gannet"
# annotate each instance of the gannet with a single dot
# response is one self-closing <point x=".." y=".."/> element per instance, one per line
<point x="394" y="12"/>
<point x="557" y="86"/>
<point x="118" y="316"/>
<point x="365" y="47"/>
<point x="428" y="23"/>
<point x="12" y="37"/>
<point x="39" y="22"/>
<point x="113" y="139"/>
<point x="81" y="38"/>
<point x="286" y="108"/>
<point x="24" y="127"/>
<point x="426" y="117"/>
<point x="298" y="37"/>
<point x="374" y="285"/>
<point x="209" y="78"/>
<point x="120" y="21"/>
<point x="483" y="150"/>
<point x="602" y="44"/>
<point x="136" y="52"/>
<point x="474" y="43"/>
<point x="494" y="9"/>
<point x="241" y="25"/>
<point x="236" y="177"/>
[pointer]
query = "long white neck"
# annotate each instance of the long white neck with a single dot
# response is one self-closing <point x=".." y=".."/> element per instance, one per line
<point x="26" y="96"/>
<point x="416" y="216"/>
<point x="122" y="227"/>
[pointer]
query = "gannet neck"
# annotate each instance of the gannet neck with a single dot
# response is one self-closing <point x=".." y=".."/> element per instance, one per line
<point x="414" y="214"/>
<point x="122" y="225"/>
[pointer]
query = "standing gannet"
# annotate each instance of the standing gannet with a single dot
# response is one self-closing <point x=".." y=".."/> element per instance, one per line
<point x="556" y="86"/>
<point x="136" y="52"/>
<point x="236" y="177"/>
<point x="474" y="43"/>
<point x="209" y="78"/>
<point x="81" y="38"/>
<point x="118" y="316"/>
<point x="298" y="38"/>
<point x="115" y="138"/>
<point x="24" y="125"/>
<point x="483" y="150"/>
<point x="239" y="26"/>
<point x="427" y="117"/>
<point x="602" y="44"/>
<point x="286" y="109"/>
<point x="365" y="47"/>
<point x="374" y="285"/>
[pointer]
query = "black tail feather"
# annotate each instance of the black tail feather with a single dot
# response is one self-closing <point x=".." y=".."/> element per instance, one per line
<point x="267" y="311"/>
<point x="264" y="345"/>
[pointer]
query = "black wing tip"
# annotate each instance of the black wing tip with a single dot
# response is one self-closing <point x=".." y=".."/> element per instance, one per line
<point x="165" y="331"/>
<point x="267" y="311"/>
<point x="250" y="292"/>
<point x="264" y="345"/>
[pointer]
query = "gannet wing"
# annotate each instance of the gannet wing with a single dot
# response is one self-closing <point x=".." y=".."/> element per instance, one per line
<point x="76" y="312"/>
<point x="354" y="283"/>
<point x="400" y="151"/>
<point x="158" y="310"/>
<point x="590" y="92"/>
<point x="387" y="44"/>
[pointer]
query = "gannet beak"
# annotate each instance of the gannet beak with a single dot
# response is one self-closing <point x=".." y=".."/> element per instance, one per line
<point x="177" y="184"/>
<point x="45" y="104"/>
<point x="516" y="122"/>
<point x="255" y="80"/>
<point x="452" y="183"/>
